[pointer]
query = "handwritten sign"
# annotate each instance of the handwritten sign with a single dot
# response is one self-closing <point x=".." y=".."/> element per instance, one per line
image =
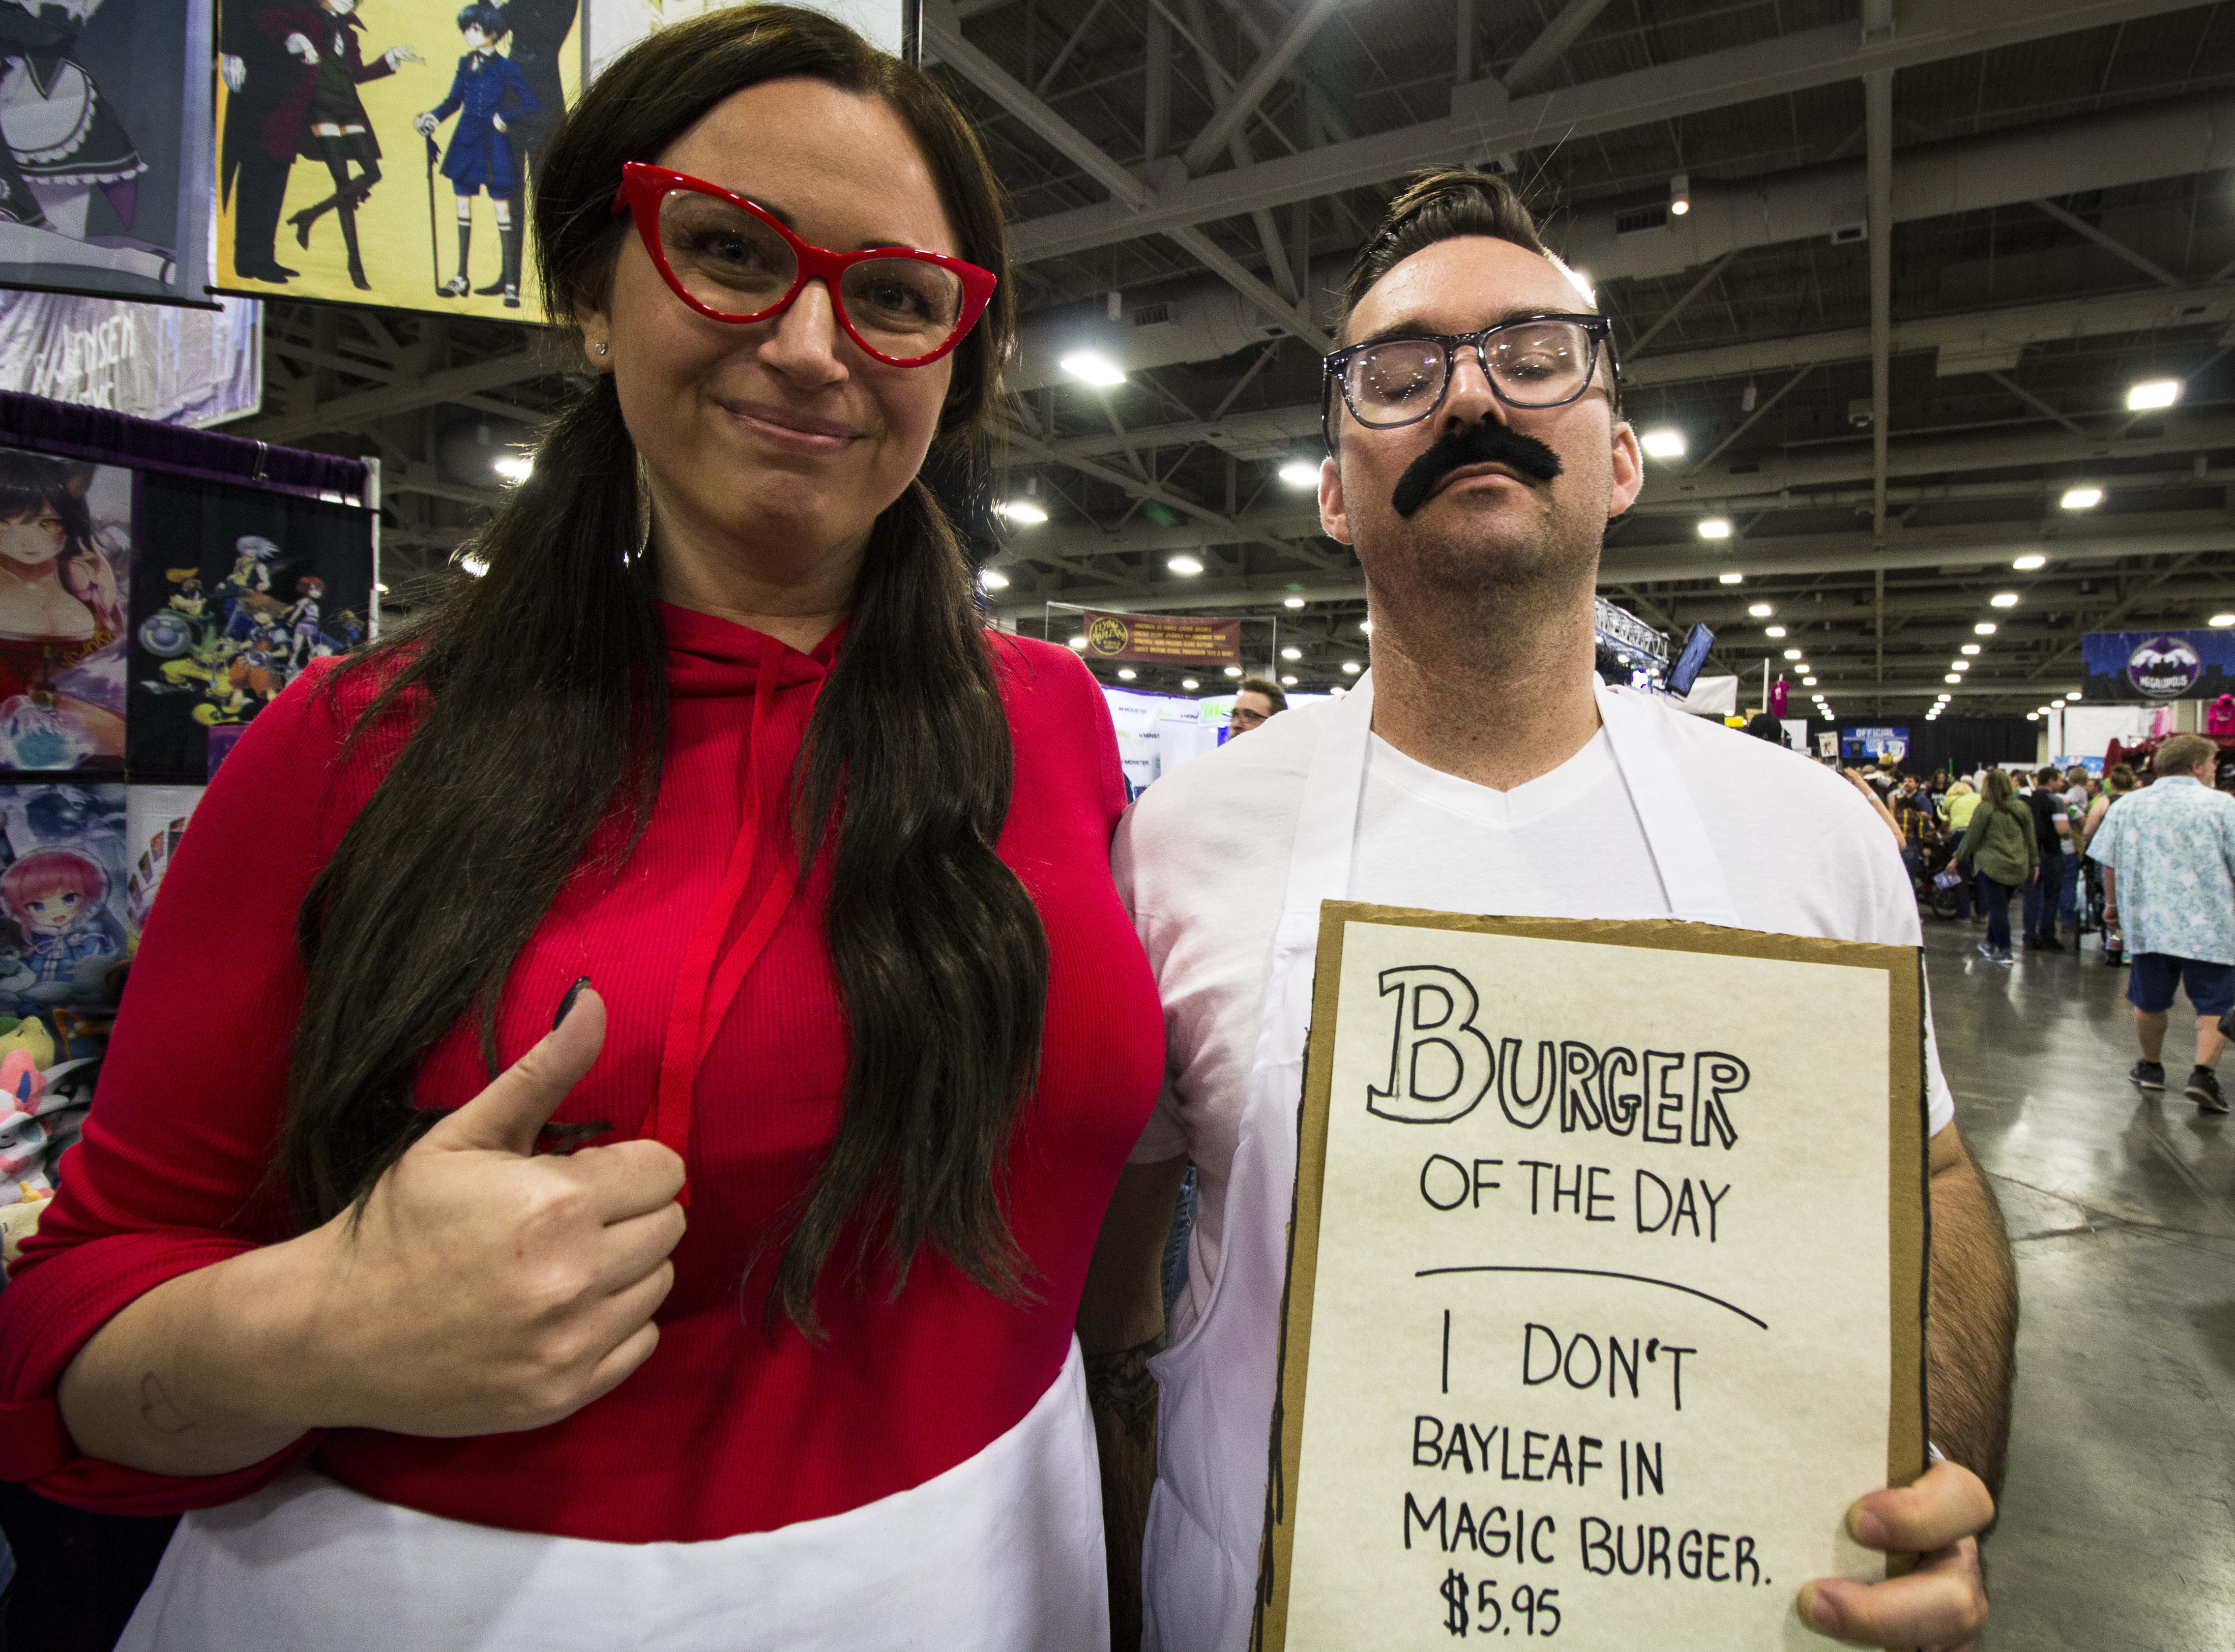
<point x="1606" y="1282"/>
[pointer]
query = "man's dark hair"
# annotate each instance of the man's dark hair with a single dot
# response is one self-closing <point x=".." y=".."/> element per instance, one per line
<point x="1266" y="687"/>
<point x="1439" y="207"/>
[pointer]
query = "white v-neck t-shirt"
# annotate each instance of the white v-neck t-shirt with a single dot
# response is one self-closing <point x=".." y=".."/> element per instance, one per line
<point x="1202" y="861"/>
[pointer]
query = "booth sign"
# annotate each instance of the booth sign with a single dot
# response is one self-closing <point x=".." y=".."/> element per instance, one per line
<point x="1162" y="639"/>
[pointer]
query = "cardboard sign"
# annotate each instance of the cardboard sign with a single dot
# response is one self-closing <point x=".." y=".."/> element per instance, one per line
<point x="1606" y="1291"/>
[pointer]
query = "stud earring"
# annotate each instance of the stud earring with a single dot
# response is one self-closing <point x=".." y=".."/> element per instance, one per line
<point x="601" y="350"/>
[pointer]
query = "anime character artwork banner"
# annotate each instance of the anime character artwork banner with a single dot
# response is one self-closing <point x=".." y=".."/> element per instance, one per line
<point x="65" y="590"/>
<point x="62" y="948"/>
<point x="381" y="151"/>
<point x="240" y="590"/>
<point x="104" y="148"/>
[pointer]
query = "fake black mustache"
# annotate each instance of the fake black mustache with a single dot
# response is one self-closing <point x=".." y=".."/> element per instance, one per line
<point x="1488" y="442"/>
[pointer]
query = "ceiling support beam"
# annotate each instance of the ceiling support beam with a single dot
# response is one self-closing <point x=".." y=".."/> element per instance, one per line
<point x="347" y="412"/>
<point x="1544" y="53"/>
<point x="943" y="33"/>
<point x="1775" y="397"/>
<point x="1677" y="308"/>
<point x="1240" y="104"/>
<point x="1033" y="449"/>
<point x="2110" y="244"/>
<point x="1931" y="33"/>
<point x="1878" y="121"/>
<point x="2033" y="400"/>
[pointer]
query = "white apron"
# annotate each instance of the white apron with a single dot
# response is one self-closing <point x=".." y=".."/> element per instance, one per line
<point x="1001" y="1553"/>
<point x="1215" y="1385"/>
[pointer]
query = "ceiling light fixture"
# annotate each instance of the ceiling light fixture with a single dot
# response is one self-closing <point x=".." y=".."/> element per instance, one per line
<point x="1969" y="648"/>
<point x="1126" y="674"/>
<point x="474" y="563"/>
<point x="1664" y="444"/>
<point x="1079" y="643"/>
<point x="2081" y="498"/>
<point x="1715" y="528"/>
<point x="2027" y="564"/>
<point x="515" y="468"/>
<point x="1091" y="367"/>
<point x="1731" y="579"/>
<point x="1292" y="602"/>
<point x="1020" y="510"/>
<point x="1190" y="684"/>
<point x="1984" y="628"/>
<point x="2003" y="599"/>
<point x="1288" y="682"/>
<point x="2221" y="620"/>
<point x="1350" y="667"/>
<point x="992" y="579"/>
<point x="1185" y="564"/>
<point x="1292" y="653"/>
<point x="1773" y="631"/>
<point x="1680" y="195"/>
<point x="1792" y="653"/>
<point x="1951" y="678"/>
<point x="1807" y="682"/>
<point x="2151" y="394"/>
<point x="1759" y="610"/>
<point x="1366" y="626"/>
<point x="1299" y="473"/>
<point x="1233" y="671"/>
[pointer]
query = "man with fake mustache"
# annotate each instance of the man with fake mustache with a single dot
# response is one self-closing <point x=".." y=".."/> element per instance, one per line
<point x="1477" y="450"/>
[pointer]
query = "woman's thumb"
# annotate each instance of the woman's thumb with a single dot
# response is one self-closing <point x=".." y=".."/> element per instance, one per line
<point x="519" y="1102"/>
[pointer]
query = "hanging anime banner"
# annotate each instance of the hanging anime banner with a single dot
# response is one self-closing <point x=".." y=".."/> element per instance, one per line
<point x="175" y="365"/>
<point x="154" y="820"/>
<point x="382" y="151"/>
<point x="104" y="153"/>
<point x="239" y="590"/>
<point x="66" y="567"/>
<point x="62" y="950"/>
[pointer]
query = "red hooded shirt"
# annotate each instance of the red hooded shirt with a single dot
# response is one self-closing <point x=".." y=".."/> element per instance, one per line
<point x="730" y="1426"/>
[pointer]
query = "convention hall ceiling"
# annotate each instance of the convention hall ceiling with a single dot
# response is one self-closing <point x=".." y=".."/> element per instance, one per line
<point x="1929" y="251"/>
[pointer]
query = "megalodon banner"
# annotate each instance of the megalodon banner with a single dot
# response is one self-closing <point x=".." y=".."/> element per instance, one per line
<point x="2156" y="667"/>
<point x="104" y="166"/>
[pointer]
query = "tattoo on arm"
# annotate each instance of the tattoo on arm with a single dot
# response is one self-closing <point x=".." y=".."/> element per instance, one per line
<point x="1119" y="1386"/>
<point x="157" y="1410"/>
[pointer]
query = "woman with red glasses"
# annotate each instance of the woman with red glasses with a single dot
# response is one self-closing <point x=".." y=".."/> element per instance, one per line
<point x="623" y="1171"/>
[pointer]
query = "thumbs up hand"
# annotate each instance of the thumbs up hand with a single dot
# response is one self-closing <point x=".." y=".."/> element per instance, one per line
<point x="488" y="1290"/>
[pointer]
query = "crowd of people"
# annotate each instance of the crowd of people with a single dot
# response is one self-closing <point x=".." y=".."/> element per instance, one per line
<point x="2066" y="843"/>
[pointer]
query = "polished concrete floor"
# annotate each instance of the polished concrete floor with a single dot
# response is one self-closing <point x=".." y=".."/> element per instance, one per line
<point x="2118" y="1524"/>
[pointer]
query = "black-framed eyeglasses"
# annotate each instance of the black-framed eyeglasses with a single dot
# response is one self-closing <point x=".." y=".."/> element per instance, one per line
<point x="1532" y="361"/>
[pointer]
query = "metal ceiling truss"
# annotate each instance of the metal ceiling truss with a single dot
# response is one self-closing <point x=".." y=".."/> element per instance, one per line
<point x="2073" y="245"/>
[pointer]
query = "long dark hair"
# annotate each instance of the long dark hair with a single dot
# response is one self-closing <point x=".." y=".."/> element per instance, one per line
<point x="537" y="706"/>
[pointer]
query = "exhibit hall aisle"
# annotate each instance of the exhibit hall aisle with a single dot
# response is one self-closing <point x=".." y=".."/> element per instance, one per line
<point x="2118" y="1531"/>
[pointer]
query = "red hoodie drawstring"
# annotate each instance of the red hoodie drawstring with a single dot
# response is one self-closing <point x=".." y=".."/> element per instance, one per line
<point x="698" y="1008"/>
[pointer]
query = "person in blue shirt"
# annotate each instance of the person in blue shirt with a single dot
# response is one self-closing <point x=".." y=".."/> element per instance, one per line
<point x="488" y="86"/>
<point x="2168" y="859"/>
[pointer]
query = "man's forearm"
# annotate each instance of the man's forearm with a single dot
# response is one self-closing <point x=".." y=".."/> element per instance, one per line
<point x="1971" y="1340"/>
<point x="1123" y="1396"/>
